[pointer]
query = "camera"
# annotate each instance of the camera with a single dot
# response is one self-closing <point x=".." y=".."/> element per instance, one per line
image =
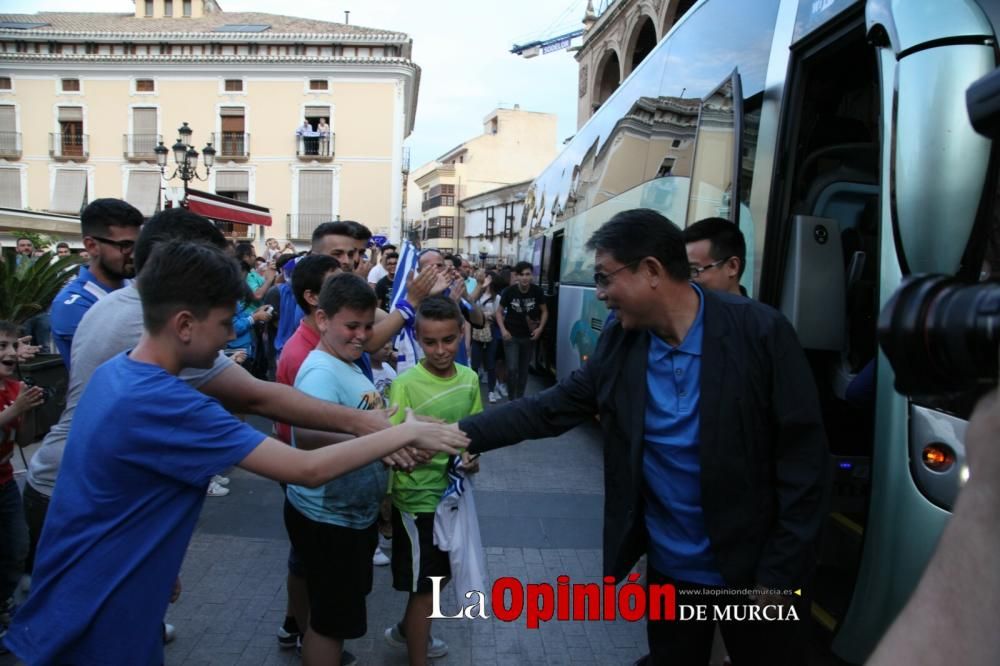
<point x="47" y="391"/>
<point x="942" y="334"/>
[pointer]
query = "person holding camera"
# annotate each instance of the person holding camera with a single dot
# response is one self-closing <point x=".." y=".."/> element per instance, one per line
<point x="16" y="399"/>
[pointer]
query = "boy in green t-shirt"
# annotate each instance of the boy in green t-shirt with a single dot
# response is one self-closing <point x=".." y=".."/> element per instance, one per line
<point x="439" y="388"/>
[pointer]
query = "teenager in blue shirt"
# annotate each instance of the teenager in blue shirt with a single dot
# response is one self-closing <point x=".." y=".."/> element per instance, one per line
<point x="109" y="228"/>
<point x="143" y="448"/>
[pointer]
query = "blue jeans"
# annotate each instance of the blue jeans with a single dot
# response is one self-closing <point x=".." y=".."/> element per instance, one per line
<point x="39" y="328"/>
<point x="13" y="539"/>
<point x="485" y="354"/>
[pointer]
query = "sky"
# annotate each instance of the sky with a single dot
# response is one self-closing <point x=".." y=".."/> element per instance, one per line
<point x="461" y="46"/>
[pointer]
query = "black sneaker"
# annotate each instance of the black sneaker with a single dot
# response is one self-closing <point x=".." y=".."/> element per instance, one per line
<point x="288" y="633"/>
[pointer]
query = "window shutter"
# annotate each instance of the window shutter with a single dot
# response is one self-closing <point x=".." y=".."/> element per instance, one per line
<point x="144" y="191"/>
<point x="70" y="189"/>
<point x="316" y="193"/>
<point x="69" y="114"/>
<point x="10" y="188"/>
<point x="232" y="181"/>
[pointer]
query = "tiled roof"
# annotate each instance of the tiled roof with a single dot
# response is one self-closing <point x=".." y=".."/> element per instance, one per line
<point x="94" y="24"/>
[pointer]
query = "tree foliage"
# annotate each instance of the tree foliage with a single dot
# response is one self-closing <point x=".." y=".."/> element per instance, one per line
<point x="28" y="289"/>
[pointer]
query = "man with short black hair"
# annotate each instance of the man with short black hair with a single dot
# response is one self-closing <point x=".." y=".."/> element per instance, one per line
<point x="109" y="228"/>
<point x="25" y="250"/>
<point x="521" y="317"/>
<point x="383" y="290"/>
<point x="715" y="455"/>
<point x="717" y="254"/>
<point x="62" y="249"/>
<point x="379" y="271"/>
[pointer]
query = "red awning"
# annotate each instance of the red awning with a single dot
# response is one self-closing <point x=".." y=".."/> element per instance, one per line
<point x="224" y="209"/>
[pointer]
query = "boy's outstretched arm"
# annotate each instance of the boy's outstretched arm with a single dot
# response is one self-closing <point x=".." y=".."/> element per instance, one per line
<point x="241" y="392"/>
<point x="281" y="462"/>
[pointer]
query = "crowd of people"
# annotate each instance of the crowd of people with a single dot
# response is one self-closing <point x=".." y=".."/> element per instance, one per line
<point x="715" y="451"/>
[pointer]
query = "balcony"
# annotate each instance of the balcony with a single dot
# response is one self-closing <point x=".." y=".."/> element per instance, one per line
<point x="140" y="147"/>
<point x="231" y="145"/>
<point x="437" y="202"/>
<point x="316" y="146"/>
<point x="301" y="225"/>
<point x="440" y="232"/>
<point x="69" y="146"/>
<point x="10" y="145"/>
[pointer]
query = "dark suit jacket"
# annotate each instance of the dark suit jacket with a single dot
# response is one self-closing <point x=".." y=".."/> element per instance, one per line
<point x="764" y="471"/>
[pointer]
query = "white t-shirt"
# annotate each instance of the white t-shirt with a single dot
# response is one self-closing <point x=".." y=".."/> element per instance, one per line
<point x="377" y="273"/>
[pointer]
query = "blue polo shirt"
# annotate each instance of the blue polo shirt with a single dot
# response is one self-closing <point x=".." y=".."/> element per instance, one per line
<point x="69" y="306"/>
<point x="671" y="466"/>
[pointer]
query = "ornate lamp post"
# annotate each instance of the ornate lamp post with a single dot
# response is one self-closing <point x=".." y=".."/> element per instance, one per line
<point x="185" y="157"/>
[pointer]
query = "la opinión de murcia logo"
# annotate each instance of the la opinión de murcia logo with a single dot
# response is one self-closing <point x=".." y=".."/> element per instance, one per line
<point x="511" y="599"/>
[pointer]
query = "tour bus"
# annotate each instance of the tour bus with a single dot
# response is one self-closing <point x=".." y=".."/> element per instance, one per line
<point x="834" y="133"/>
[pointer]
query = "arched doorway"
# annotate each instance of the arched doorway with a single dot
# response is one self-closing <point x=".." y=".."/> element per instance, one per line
<point x="644" y="42"/>
<point x="608" y="78"/>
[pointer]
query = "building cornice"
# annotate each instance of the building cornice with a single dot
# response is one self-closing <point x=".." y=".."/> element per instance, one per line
<point x="202" y="37"/>
<point x="200" y="59"/>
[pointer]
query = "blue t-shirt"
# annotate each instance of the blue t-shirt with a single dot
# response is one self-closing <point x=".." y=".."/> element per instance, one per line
<point x="69" y="306"/>
<point x="141" y="451"/>
<point x="671" y="466"/>
<point x="290" y="314"/>
<point x="351" y="500"/>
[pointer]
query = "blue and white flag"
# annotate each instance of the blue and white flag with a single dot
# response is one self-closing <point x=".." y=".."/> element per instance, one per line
<point x="407" y="351"/>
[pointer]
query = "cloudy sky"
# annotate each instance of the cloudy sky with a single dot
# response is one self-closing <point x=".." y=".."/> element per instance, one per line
<point x="462" y="46"/>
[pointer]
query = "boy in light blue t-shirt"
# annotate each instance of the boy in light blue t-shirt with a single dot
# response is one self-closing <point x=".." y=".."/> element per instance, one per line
<point x="333" y="527"/>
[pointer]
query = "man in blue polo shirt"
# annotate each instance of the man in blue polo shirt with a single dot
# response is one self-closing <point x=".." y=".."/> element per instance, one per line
<point x="715" y="456"/>
<point x="109" y="228"/>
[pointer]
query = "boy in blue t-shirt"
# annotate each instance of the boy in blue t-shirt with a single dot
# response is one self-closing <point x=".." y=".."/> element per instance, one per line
<point x="140" y="455"/>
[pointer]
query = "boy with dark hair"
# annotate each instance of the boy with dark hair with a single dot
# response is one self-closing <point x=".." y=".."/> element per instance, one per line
<point x="143" y="448"/>
<point x="445" y="390"/>
<point x="717" y="254"/>
<point x="333" y="527"/>
<point x="15" y="400"/>
<point x="109" y="228"/>
<point x="521" y="319"/>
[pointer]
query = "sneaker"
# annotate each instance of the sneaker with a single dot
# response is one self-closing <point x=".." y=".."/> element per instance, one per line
<point x="395" y="638"/>
<point x="169" y="633"/>
<point x="380" y="559"/>
<point x="221" y="480"/>
<point x="215" y="490"/>
<point x="288" y="633"/>
<point x="502" y="389"/>
<point x="492" y="397"/>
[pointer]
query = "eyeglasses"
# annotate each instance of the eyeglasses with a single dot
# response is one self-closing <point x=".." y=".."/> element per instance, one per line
<point x="602" y="280"/>
<point x="698" y="270"/>
<point x="123" y="246"/>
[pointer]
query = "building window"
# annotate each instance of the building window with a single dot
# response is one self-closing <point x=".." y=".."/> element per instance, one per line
<point x="168" y="8"/>
<point x="233" y="184"/>
<point x="676" y="143"/>
<point x="143" y="191"/>
<point x="315" y="202"/>
<point x="234" y="85"/>
<point x="149" y="8"/>
<point x="71" y="85"/>
<point x="144" y="137"/>
<point x="71" y="142"/>
<point x="6" y="83"/>
<point x="187" y="8"/>
<point x="10" y="188"/>
<point x="233" y="139"/>
<point x="319" y="84"/>
<point x="69" y="194"/>
<point x="145" y="85"/>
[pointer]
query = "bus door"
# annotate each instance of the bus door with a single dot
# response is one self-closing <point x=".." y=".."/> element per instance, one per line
<point x="864" y="142"/>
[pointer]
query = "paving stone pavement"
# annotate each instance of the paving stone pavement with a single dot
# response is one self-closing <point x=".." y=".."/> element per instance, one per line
<point x="540" y="512"/>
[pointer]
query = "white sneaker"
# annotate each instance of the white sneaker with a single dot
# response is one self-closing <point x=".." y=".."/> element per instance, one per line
<point x="169" y="633"/>
<point x="492" y="397"/>
<point x="502" y="389"/>
<point x="215" y="490"/>
<point x="221" y="480"/>
<point x="435" y="646"/>
<point x="380" y="559"/>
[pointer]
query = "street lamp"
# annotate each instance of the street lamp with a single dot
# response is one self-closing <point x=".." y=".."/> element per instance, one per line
<point x="185" y="157"/>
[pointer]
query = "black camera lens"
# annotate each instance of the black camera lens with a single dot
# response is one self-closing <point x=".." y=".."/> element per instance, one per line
<point x="941" y="335"/>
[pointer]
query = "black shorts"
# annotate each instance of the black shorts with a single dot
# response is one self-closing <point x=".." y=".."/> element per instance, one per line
<point x="414" y="556"/>
<point x="338" y="568"/>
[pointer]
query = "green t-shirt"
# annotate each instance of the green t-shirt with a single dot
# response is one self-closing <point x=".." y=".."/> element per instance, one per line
<point x="450" y="400"/>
